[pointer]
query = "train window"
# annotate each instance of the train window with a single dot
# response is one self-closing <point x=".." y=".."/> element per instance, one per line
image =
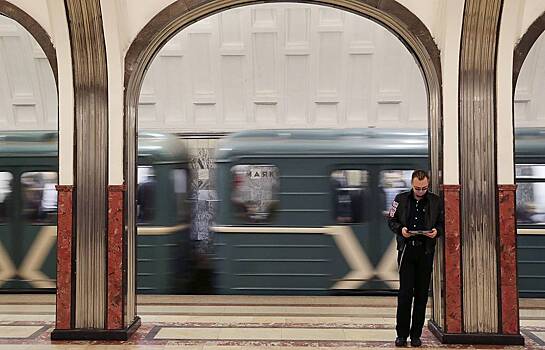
<point x="530" y="171"/>
<point x="255" y="191"/>
<point x="350" y="192"/>
<point x="180" y="183"/>
<point x="391" y="183"/>
<point x="39" y="196"/>
<point x="5" y="195"/>
<point x="145" y="194"/>
<point x="530" y="194"/>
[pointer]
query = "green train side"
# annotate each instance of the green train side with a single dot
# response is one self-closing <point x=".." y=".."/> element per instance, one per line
<point x="296" y="235"/>
<point x="530" y="180"/>
<point x="312" y="242"/>
<point x="303" y="243"/>
<point x="28" y="174"/>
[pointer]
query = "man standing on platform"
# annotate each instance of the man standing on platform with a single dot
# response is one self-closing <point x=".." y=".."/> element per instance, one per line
<point x="416" y="217"/>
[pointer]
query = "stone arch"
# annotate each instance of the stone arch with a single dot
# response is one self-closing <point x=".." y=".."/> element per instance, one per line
<point x="389" y="13"/>
<point x="35" y="29"/>
<point x="525" y="44"/>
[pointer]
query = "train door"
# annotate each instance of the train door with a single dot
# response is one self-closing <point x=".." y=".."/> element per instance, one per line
<point x="8" y="222"/>
<point x="38" y="230"/>
<point x="28" y="209"/>
<point x="390" y="182"/>
<point x="353" y="207"/>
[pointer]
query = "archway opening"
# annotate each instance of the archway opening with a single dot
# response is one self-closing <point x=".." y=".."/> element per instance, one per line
<point x="28" y="155"/>
<point x="175" y="17"/>
<point x="529" y="113"/>
<point x="294" y="67"/>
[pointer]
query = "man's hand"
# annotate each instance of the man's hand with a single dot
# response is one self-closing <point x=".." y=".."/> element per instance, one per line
<point x="405" y="233"/>
<point x="432" y="234"/>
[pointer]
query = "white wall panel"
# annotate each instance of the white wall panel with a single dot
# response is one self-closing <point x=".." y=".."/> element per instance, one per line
<point x="265" y="116"/>
<point x="6" y="117"/>
<point x="264" y="67"/>
<point x="327" y="114"/>
<point x="264" y="17"/>
<point x="359" y="93"/>
<point x="231" y="28"/>
<point x="234" y="97"/>
<point x="331" y="19"/>
<point x="297" y="28"/>
<point x="204" y="114"/>
<point x="173" y="79"/>
<point x="201" y="72"/>
<point x="283" y="65"/>
<point x="329" y="69"/>
<point x="529" y="102"/>
<point x="28" y="95"/>
<point x="297" y="90"/>
<point x="147" y="109"/>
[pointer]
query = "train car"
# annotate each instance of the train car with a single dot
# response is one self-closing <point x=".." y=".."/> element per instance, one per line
<point x="530" y="179"/>
<point x="28" y="209"/>
<point x="303" y="211"/>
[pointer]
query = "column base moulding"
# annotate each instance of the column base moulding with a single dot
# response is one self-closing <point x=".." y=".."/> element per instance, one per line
<point x="96" y="334"/>
<point x="474" y="338"/>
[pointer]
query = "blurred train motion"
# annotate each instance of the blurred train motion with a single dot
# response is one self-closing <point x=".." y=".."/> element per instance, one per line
<point x="28" y="210"/>
<point x="298" y="212"/>
<point x="305" y="211"/>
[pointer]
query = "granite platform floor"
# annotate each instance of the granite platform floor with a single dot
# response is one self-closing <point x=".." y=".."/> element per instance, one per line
<point x="243" y="322"/>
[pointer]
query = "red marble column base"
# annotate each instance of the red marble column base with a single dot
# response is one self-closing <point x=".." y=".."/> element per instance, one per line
<point x="453" y="272"/>
<point x="64" y="304"/>
<point x="114" y="318"/>
<point x="96" y="334"/>
<point x="475" y="338"/>
<point x="508" y="260"/>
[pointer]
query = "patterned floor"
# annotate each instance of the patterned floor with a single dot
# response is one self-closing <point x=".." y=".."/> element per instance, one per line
<point x="235" y="322"/>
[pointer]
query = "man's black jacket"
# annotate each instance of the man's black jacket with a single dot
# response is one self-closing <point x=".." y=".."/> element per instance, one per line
<point x="399" y="218"/>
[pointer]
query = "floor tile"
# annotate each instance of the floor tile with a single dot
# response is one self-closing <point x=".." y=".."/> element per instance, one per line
<point x="313" y="334"/>
<point x="184" y="347"/>
<point x="251" y="333"/>
<point x="540" y="335"/>
<point x="384" y="335"/>
<point x="187" y="333"/>
<point x="18" y="331"/>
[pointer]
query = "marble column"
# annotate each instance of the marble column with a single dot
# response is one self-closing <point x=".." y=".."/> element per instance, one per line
<point x="64" y="318"/>
<point x="453" y="271"/>
<point x="116" y="253"/>
<point x="508" y="260"/>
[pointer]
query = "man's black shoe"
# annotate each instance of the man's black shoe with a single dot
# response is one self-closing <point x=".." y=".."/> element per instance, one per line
<point x="416" y="342"/>
<point x="400" y="341"/>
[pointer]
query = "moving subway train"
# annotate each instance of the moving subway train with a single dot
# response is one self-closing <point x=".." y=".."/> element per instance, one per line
<point x="28" y="209"/>
<point x="299" y="212"/>
<point x="303" y="211"/>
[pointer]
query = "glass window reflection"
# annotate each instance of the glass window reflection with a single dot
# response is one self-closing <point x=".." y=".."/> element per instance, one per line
<point x="530" y="171"/>
<point x="180" y="183"/>
<point x="530" y="194"/>
<point x="39" y="197"/>
<point x="350" y="195"/>
<point x="145" y="195"/>
<point x="5" y="195"/>
<point x="393" y="182"/>
<point x="255" y="191"/>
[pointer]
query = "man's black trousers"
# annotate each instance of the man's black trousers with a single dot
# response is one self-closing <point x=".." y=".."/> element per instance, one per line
<point x="414" y="281"/>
